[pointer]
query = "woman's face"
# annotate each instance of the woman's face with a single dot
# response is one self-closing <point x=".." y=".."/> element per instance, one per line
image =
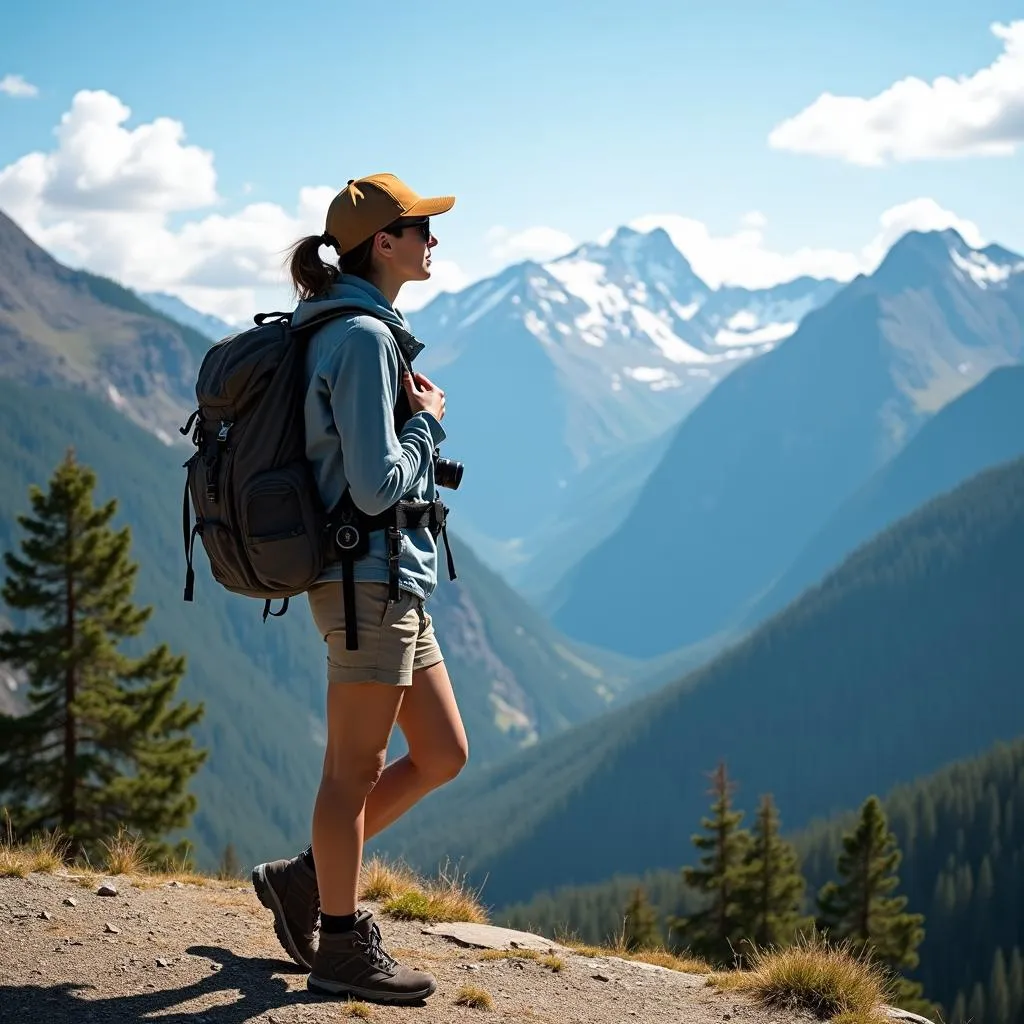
<point x="410" y="259"/>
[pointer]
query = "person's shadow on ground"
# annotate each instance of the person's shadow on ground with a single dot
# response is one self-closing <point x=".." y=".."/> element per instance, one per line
<point x="249" y="983"/>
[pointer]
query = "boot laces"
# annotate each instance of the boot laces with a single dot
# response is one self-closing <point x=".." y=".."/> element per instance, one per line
<point x="378" y="954"/>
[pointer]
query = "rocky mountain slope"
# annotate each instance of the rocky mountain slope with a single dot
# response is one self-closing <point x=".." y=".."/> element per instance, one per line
<point x="785" y="439"/>
<point x="922" y="628"/>
<point x="71" y="329"/>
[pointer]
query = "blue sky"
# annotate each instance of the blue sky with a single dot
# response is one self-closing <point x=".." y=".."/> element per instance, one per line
<point x="559" y="121"/>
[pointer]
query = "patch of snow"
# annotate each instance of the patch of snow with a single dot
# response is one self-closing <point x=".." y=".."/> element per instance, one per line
<point x="983" y="270"/>
<point x="537" y="327"/>
<point x="115" y="396"/>
<point x="672" y="346"/>
<point x="646" y="374"/>
<point x="685" y="312"/>
<point x="744" y="320"/>
<point x="164" y="436"/>
<point x="768" y="333"/>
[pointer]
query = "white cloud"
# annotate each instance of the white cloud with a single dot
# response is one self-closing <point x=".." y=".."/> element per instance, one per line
<point x="535" y="243"/>
<point x="16" y="86"/>
<point x="445" y="276"/>
<point x="972" y="115"/>
<point x="103" y="199"/>
<point x="742" y="258"/>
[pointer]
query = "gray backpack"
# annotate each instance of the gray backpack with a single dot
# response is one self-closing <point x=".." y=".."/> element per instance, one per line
<point x="258" y="512"/>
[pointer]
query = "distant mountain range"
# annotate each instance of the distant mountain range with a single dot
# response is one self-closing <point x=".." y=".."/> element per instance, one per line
<point x="781" y="443"/>
<point x="211" y="327"/>
<point x="558" y="370"/>
<point x="905" y="658"/>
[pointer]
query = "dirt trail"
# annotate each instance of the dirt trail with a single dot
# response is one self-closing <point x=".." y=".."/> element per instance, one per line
<point x="207" y="955"/>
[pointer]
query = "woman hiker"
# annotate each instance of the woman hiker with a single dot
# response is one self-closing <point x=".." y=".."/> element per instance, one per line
<point x="394" y="672"/>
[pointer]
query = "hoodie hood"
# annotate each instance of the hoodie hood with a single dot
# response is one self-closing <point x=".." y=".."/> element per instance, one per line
<point x="357" y="294"/>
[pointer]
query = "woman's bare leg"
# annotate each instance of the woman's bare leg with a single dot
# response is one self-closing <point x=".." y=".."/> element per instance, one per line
<point x="438" y="749"/>
<point x="360" y="717"/>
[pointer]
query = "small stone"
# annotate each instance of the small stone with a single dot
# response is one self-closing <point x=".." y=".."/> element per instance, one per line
<point x="216" y="966"/>
<point x="161" y="962"/>
<point x="46" y="915"/>
<point x="70" y="902"/>
<point x="18" y="914"/>
<point x="106" y="890"/>
<point x="175" y="885"/>
<point x="111" y="929"/>
<point x="600" y="977"/>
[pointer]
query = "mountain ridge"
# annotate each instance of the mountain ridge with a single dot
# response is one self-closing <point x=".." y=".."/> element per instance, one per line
<point x="785" y="439"/>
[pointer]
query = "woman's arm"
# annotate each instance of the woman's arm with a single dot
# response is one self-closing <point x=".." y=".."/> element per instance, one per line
<point x="364" y="378"/>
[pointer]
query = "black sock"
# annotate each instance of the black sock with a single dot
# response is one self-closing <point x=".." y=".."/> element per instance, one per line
<point x="333" y="924"/>
<point x="307" y="857"/>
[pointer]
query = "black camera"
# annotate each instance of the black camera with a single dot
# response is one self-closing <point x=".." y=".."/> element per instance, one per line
<point x="447" y="472"/>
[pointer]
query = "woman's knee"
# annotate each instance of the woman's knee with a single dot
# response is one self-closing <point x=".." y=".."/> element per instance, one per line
<point x="353" y="773"/>
<point x="443" y="763"/>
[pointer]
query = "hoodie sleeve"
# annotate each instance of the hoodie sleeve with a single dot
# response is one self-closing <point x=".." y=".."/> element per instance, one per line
<point x="381" y="466"/>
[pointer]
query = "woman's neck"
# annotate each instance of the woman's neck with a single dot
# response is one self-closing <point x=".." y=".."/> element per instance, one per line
<point x="388" y="288"/>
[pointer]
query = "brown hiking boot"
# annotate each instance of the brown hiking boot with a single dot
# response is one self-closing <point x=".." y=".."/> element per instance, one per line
<point x="355" y="963"/>
<point x="288" y="889"/>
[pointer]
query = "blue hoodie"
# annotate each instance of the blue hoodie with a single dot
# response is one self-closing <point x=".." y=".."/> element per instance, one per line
<point x="354" y="374"/>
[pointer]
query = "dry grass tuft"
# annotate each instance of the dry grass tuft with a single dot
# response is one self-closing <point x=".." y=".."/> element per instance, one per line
<point x="555" y="963"/>
<point x="827" y="980"/>
<point x="45" y="852"/>
<point x="126" y="854"/>
<point x="473" y="995"/>
<point x="859" y="1017"/>
<point x="659" y="957"/>
<point x="361" y="1010"/>
<point x="381" y="880"/>
<point x="406" y="896"/>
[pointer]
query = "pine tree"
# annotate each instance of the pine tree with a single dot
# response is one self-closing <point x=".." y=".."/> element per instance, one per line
<point x="771" y="896"/>
<point x="230" y="865"/>
<point x="641" y="923"/>
<point x="715" y="931"/>
<point x="102" y="746"/>
<point x="999" y="991"/>
<point x="1015" y="983"/>
<point x="859" y="908"/>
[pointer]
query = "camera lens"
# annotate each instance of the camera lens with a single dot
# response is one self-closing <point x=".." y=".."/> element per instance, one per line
<point x="447" y="473"/>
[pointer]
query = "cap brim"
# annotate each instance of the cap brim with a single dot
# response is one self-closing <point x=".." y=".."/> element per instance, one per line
<point x="430" y="207"/>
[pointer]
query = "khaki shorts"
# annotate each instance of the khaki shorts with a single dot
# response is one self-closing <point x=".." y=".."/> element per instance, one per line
<point x="394" y="640"/>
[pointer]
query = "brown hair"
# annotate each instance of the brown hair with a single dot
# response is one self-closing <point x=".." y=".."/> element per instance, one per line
<point x="311" y="276"/>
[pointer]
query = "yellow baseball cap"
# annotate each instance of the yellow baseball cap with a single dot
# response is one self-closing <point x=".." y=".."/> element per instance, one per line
<point x="367" y="205"/>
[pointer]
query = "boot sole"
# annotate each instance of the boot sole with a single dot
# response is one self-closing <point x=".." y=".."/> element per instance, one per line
<point x="266" y="895"/>
<point x="337" y="988"/>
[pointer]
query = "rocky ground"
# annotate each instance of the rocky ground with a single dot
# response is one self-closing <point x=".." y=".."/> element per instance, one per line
<point x="170" y="952"/>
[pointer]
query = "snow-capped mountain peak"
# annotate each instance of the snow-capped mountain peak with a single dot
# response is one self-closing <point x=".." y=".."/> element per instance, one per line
<point x="987" y="268"/>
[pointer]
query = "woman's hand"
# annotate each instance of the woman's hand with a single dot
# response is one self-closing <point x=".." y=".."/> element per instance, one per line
<point x="429" y="397"/>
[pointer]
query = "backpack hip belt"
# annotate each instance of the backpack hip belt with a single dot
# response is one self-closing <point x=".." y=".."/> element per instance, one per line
<point x="348" y="539"/>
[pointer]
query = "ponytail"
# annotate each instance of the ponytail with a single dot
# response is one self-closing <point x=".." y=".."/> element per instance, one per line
<point x="310" y="275"/>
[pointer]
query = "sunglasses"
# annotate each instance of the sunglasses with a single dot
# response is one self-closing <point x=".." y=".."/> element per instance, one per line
<point x="421" y="223"/>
